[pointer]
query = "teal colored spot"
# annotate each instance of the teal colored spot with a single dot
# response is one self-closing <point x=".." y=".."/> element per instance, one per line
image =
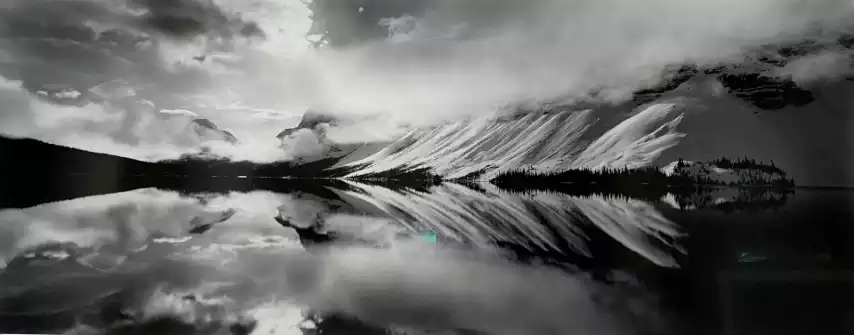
<point x="746" y="257"/>
<point x="431" y="236"/>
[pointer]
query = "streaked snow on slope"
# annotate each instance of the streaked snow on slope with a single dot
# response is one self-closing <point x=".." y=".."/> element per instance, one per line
<point x="543" y="141"/>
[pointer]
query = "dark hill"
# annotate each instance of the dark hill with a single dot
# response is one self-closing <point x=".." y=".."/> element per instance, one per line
<point x="34" y="172"/>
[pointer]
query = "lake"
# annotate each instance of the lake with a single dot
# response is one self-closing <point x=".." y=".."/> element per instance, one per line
<point x="318" y="257"/>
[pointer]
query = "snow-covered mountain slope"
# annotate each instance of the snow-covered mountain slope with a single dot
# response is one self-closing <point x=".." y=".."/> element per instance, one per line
<point x="545" y="141"/>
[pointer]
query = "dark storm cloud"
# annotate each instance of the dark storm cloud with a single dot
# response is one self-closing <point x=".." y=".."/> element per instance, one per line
<point x="193" y="17"/>
<point x="81" y="43"/>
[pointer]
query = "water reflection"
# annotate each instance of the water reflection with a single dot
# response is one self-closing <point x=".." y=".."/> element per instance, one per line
<point x="730" y="200"/>
<point x="350" y="258"/>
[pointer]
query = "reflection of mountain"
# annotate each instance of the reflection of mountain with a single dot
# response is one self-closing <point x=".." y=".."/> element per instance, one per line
<point x="136" y="241"/>
<point x="543" y="221"/>
<point x="546" y="221"/>
<point x="482" y="218"/>
<point x="103" y="255"/>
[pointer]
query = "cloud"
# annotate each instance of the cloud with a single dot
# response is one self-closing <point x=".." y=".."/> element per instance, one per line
<point x="413" y="62"/>
<point x="463" y="58"/>
<point x="116" y="128"/>
<point x="825" y="65"/>
<point x="195" y="17"/>
<point x="150" y="43"/>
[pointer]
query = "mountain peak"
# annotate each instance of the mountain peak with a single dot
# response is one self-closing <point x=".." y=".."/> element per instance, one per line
<point x="310" y="120"/>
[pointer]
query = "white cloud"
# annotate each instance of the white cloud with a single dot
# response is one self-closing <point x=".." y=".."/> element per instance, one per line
<point x="826" y="65"/>
<point x="135" y="130"/>
<point x="465" y="58"/>
<point x="178" y="112"/>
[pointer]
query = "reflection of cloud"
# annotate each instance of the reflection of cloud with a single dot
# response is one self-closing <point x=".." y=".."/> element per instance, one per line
<point x="427" y="287"/>
<point x="111" y="225"/>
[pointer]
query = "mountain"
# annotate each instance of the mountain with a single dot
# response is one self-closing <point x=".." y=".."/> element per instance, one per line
<point x="759" y="107"/>
<point x="312" y="125"/>
<point x="207" y="129"/>
<point x="35" y="172"/>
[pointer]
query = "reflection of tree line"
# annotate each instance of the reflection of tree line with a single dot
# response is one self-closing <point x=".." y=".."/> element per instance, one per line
<point x="651" y="184"/>
<point x="644" y="183"/>
<point x="747" y="200"/>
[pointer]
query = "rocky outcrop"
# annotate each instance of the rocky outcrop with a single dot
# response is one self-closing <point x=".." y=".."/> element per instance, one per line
<point x="203" y="126"/>
<point x="767" y="93"/>
<point x="759" y="88"/>
<point x="753" y="79"/>
<point x="671" y="82"/>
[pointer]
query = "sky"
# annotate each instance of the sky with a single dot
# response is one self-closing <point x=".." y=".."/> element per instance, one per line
<point x="254" y="66"/>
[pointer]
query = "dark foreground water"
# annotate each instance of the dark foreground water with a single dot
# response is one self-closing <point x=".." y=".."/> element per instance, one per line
<point x="350" y="258"/>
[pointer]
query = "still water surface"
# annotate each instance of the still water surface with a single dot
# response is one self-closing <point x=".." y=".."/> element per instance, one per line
<point x="353" y="258"/>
